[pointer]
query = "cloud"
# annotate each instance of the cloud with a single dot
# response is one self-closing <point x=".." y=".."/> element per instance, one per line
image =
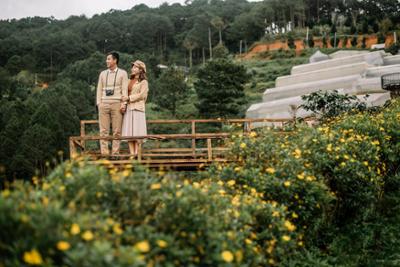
<point x="62" y="9"/>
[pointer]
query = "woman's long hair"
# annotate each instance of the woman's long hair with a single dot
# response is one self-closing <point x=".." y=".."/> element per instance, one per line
<point x="142" y="75"/>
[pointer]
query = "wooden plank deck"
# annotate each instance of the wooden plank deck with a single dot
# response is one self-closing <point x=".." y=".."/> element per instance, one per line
<point x="190" y="150"/>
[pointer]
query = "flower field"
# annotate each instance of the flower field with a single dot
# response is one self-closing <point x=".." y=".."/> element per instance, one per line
<point x="324" y="196"/>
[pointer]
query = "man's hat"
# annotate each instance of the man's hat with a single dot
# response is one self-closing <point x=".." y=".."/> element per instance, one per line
<point x="140" y="65"/>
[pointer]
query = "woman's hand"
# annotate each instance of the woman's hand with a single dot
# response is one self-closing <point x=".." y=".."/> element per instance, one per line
<point x="122" y="109"/>
<point x="124" y="98"/>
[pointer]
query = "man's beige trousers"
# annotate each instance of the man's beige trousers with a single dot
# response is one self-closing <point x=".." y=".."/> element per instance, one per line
<point x="110" y="113"/>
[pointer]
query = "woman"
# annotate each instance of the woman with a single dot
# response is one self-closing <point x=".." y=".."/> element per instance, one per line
<point x="134" y="122"/>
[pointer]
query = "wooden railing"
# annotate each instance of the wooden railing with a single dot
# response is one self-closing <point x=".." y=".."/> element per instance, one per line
<point x="213" y="148"/>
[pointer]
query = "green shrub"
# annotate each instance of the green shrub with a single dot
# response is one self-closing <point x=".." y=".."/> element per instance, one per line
<point x="354" y="41"/>
<point x="393" y="49"/>
<point x="330" y="104"/>
<point x="84" y="215"/>
<point x="333" y="177"/>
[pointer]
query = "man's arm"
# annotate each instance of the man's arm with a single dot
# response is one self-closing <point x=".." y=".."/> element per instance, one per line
<point x="99" y="90"/>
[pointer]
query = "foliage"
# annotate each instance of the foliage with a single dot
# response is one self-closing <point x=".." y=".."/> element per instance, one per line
<point x="171" y="89"/>
<point x="393" y="49"/>
<point x="220" y="51"/>
<point x="330" y="104"/>
<point x="337" y="180"/>
<point x="82" y="215"/>
<point x="290" y="42"/>
<point x="220" y="88"/>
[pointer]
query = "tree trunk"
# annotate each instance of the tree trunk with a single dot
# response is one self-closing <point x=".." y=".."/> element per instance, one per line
<point x="209" y="42"/>
<point x="220" y="36"/>
<point x="190" y="58"/>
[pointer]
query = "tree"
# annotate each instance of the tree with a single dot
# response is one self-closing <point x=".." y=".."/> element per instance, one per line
<point x="190" y="43"/>
<point x="220" y="25"/>
<point x="14" y="64"/>
<point x="5" y="82"/>
<point x="220" y="89"/>
<point x="385" y="25"/>
<point x="290" y="41"/>
<point x="171" y="89"/>
<point x="220" y="51"/>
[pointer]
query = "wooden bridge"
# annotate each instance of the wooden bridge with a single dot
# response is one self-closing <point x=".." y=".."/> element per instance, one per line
<point x="179" y="150"/>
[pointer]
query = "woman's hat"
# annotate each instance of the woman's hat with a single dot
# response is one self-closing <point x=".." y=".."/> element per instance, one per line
<point x="140" y="65"/>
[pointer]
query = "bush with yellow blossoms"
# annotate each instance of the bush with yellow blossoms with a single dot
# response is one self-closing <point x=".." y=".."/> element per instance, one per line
<point x="323" y="196"/>
<point x="85" y="215"/>
<point x="334" y="178"/>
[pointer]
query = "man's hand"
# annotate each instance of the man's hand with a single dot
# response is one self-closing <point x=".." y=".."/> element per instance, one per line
<point x="124" y="98"/>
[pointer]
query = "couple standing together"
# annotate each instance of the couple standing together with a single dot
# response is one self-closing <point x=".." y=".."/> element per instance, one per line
<point x="121" y="103"/>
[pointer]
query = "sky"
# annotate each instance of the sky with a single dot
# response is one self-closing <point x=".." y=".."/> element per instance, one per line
<point x="62" y="9"/>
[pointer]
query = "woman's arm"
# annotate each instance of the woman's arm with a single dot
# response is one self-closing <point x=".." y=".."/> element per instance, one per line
<point x="144" y="89"/>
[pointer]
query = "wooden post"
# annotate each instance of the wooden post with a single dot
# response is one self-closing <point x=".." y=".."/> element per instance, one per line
<point x="72" y="148"/>
<point x="83" y="133"/>
<point x="193" y="139"/>
<point x="157" y="144"/>
<point x="209" y="149"/>
<point x="140" y="151"/>
<point x="249" y="126"/>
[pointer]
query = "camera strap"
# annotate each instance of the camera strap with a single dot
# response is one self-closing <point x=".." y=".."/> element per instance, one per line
<point x="115" y="78"/>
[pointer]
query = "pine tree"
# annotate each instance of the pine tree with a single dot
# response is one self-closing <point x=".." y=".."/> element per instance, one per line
<point x="220" y="89"/>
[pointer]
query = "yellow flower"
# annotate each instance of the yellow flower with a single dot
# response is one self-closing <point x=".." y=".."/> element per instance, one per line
<point x="117" y="229"/>
<point x="329" y="148"/>
<point x="63" y="245"/>
<point x="239" y="255"/>
<point x="231" y="182"/>
<point x="143" y="246"/>
<point x="75" y="229"/>
<point x="87" y="235"/>
<point x="45" y="186"/>
<point x="297" y="153"/>
<point x="155" y="186"/>
<point x="275" y="214"/>
<point x="294" y="215"/>
<point x="286" y="238"/>
<point x="196" y="185"/>
<point x="287" y="183"/>
<point x="253" y="134"/>
<point x="290" y="226"/>
<point x="270" y="170"/>
<point x="162" y="243"/>
<point x="33" y="257"/>
<point x="6" y="193"/>
<point x="45" y="201"/>
<point x="227" y="256"/>
<point x="243" y="145"/>
<point x="300" y="176"/>
<point x="375" y="142"/>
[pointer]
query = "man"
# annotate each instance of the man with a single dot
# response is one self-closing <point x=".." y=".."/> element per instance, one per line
<point x="112" y="86"/>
